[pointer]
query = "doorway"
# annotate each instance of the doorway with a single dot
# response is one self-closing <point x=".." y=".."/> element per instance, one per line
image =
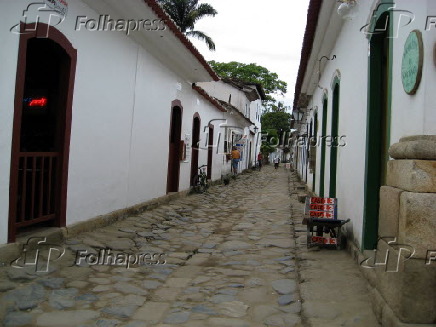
<point x="335" y="141"/>
<point x="210" y="152"/>
<point x="42" y="128"/>
<point x="174" y="147"/>
<point x="378" y="125"/>
<point x="314" y="148"/>
<point x="323" y="145"/>
<point x="195" y="147"/>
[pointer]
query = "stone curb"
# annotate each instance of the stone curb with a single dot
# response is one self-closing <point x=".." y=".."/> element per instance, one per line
<point x="55" y="235"/>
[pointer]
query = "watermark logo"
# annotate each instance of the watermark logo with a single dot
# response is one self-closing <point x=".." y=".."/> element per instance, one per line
<point x="404" y="18"/>
<point x="431" y="256"/>
<point x="105" y="257"/>
<point x="50" y="12"/>
<point x="105" y="23"/>
<point x="430" y="23"/>
<point x="388" y="260"/>
<point x="38" y="253"/>
<point x="327" y="140"/>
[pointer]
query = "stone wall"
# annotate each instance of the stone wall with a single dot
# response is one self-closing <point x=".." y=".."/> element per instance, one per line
<point x="405" y="260"/>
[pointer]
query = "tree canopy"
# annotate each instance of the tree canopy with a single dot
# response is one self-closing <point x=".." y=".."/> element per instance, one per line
<point x="186" y="13"/>
<point x="252" y="73"/>
<point x="279" y="121"/>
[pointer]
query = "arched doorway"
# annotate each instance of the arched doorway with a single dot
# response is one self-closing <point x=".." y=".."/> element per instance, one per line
<point x="335" y="140"/>
<point x="323" y="146"/>
<point x="174" y="147"/>
<point x="378" y="125"/>
<point x="314" y="139"/>
<point x="195" y="146"/>
<point x="42" y="127"/>
<point x="210" y="152"/>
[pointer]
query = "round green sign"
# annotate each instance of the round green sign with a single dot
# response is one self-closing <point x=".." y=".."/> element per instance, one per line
<point x="411" y="66"/>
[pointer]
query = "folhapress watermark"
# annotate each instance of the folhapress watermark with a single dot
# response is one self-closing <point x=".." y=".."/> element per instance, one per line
<point x="394" y="255"/>
<point x="105" y="23"/>
<point x="38" y="253"/>
<point x="49" y="12"/>
<point x="327" y="140"/>
<point x="105" y="257"/>
<point x="400" y="19"/>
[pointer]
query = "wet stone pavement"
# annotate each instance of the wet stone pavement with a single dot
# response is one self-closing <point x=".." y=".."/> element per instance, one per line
<point x="224" y="258"/>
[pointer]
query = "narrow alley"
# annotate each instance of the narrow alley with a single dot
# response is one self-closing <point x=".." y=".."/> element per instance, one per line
<point x="234" y="256"/>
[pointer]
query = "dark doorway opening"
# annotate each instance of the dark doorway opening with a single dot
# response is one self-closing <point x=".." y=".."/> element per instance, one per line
<point x="314" y="149"/>
<point x="323" y="146"/>
<point x="195" y="147"/>
<point x="378" y="124"/>
<point x="335" y="143"/>
<point x="174" y="148"/>
<point x="41" y="134"/>
<point x="210" y="152"/>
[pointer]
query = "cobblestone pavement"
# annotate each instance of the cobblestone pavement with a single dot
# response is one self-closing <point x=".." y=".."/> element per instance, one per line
<point x="229" y="258"/>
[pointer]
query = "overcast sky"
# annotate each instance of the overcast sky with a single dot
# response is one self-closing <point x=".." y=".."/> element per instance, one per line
<point x="268" y="33"/>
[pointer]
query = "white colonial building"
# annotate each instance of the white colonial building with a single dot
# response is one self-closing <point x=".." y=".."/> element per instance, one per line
<point x="366" y="122"/>
<point x="100" y="111"/>
<point x="243" y="104"/>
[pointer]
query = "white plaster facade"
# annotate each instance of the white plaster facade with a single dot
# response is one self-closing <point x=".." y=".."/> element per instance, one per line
<point x="121" y="110"/>
<point x="409" y="115"/>
<point x="243" y="119"/>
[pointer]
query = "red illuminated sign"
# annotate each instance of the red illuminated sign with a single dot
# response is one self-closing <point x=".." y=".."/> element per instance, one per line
<point x="38" y="102"/>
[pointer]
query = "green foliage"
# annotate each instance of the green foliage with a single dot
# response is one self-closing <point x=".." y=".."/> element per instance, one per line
<point x="280" y="107"/>
<point x="266" y="149"/>
<point x="186" y="13"/>
<point x="251" y="73"/>
<point x="276" y="121"/>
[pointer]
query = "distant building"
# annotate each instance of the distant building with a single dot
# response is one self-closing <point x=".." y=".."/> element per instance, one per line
<point x="243" y="103"/>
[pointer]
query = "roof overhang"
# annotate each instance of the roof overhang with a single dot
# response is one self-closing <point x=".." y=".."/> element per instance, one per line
<point x="322" y="28"/>
<point x="253" y="91"/>
<point x="170" y="46"/>
<point x="209" y="98"/>
<point x="232" y="109"/>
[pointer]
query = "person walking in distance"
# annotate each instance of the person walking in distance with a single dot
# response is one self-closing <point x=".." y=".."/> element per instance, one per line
<point x="259" y="160"/>
<point x="236" y="156"/>
<point x="276" y="162"/>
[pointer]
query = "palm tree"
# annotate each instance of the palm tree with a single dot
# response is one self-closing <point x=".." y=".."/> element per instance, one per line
<point x="186" y="13"/>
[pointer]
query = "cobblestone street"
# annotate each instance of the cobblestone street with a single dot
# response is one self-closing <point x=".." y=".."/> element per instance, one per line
<point x="234" y="257"/>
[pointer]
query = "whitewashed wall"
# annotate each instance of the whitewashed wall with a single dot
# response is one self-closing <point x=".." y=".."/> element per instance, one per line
<point x="410" y="115"/>
<point x="350" y="65"/>
<point x="120" y="119"/>
<point x="416" y="114"/>
<point x="223" y="91"/>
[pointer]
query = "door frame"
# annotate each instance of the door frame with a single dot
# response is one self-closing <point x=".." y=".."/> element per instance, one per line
<point x="323" y="145"/>
<point x="210" y="147"/>
<point x="174" y="156"/>
<point x="29" y="31"/>
<point x="315" y="136"/>
<point x="195" y="147"/>
<point x="374" y="130"/>
<point x="336" y="91"/>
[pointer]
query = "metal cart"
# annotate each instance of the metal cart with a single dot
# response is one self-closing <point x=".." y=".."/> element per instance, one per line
<point x="323" y="225"/>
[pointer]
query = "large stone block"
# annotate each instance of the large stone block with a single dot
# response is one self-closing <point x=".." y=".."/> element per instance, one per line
<point x="418" y="138"/>
<point x="389" y="211"/>
<point x="419" y="149"/>
<point x="417" y="222"/>
<point x="408" y="290"/>
<point x="412" y="175"/>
